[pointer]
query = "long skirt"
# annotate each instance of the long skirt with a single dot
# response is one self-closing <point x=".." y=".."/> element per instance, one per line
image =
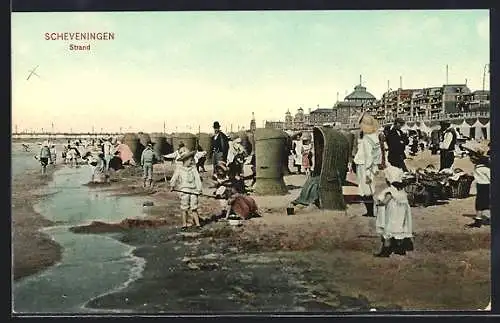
<point x="483" y="197"/>
<point x="363" y="188"/>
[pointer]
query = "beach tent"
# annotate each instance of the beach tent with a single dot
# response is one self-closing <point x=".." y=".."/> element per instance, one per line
<point x="464" y="128"/>
<point x="125" y="154"/>
<point x="424" y="128"/>
<point x="488" y="131"/>
<point x="477" y="131"/>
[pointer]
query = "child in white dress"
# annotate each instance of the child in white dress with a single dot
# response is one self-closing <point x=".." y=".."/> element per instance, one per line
<point x="394" y="221"/>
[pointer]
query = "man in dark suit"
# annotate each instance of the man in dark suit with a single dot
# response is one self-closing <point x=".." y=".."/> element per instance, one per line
<point x="396" y="142"/>
<point x="219" y="146"/>
<point x="447" y="145"/>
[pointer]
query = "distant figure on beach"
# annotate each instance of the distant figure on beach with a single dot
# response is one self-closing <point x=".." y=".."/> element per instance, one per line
<point x="306" y="154"/>
<point x="26" y="148"/>
<point x="447" y="145"/>
<point x="97" y="166"/>
<point x="100" y="172"/>
<point x="53" y="154"/>
<point x="382" y="139"/>
<point x="72" y="156"/>
<point x="116" y="163"/>
<point x="414" y="145"/>
<point x="297" y="153"/>
<point x="200" y="158"/>
<point x="482" y="177"/>
<point x="44" y="157"/>
<point x="108" y="151"/>
<point x="394" y="220"/>
<point x="219" y="145"/>
<point x="434" y="141"/>
<point x="236" y="157"/>
<point x="63" y="153"/>
<point x="186" y="180"/>
<point x="367" y="159"/>
<point x="396" y="142"/>
<point x="147" y="160"/>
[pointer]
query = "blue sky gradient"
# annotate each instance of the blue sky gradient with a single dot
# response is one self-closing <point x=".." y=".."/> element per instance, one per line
<point x="190" y="68"/>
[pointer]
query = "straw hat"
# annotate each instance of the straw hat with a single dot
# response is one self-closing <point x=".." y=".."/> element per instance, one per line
<point x="186" y="155"/>
<point x="393" y="174"/>
<point x="368" y="123"/>
<point x="479" y="150"/>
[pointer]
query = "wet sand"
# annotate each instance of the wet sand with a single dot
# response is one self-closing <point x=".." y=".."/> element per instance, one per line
<point x="32" y="250"/>
<point x="313" y="260"/>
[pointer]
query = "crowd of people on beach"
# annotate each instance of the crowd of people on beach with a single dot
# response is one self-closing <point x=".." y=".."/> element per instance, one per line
<point x="376" y="150"/>
<point x="391" y="206"/>
<point x="101" y="155"/>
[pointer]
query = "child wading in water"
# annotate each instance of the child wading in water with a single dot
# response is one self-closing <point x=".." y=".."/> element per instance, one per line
<point x="482" y="176"/>
<point x="186" y="180"/>
<point x="394" y="221"/>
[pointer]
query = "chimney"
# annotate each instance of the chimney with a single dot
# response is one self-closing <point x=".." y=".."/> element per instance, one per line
<point x="446" y="74"/>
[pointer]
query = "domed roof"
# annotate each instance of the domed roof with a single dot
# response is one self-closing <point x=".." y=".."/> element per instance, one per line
<point x="360" y="93"/>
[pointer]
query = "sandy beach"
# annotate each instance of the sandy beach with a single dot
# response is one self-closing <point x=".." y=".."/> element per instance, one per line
<point x="32" y="250"/>
<point x="311" y="261"/>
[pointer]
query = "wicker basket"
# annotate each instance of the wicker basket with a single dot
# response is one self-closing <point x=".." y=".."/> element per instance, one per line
<point x="461" y="188"/>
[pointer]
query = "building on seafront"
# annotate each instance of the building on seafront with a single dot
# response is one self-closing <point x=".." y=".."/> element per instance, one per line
<point x="348" y="111"/>
<point x="430" y="105"/>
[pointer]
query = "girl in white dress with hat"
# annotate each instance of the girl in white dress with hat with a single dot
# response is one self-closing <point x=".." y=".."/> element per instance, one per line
<point x="394" y="221"/>
<point x="368" y="159"/>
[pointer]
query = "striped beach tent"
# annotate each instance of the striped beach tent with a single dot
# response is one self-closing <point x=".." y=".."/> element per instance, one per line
<point x="478" y="130"/>
<point x="464" y="128"/>
<point x="424" y="128"/>
<point x="488" y="131"/>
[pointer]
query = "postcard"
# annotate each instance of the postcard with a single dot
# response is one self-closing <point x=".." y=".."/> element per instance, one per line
<point x="205" y="162"/>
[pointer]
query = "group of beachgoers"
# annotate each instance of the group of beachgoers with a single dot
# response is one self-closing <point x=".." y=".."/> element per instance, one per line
<point x="101" y="155"/>
<point x="228" y="158"/>
<point x="385" y="151"/>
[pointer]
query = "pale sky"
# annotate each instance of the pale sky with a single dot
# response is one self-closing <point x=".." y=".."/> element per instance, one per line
<point x="191" y="68"/>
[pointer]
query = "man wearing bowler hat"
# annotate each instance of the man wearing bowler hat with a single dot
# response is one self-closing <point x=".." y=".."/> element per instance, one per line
<point x="219" y="146"/>
<point x="447" y="145"/>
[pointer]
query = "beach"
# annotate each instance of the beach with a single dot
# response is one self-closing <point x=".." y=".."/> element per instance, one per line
<point x="32" y="249"/>
<point x="314" y="260"/>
